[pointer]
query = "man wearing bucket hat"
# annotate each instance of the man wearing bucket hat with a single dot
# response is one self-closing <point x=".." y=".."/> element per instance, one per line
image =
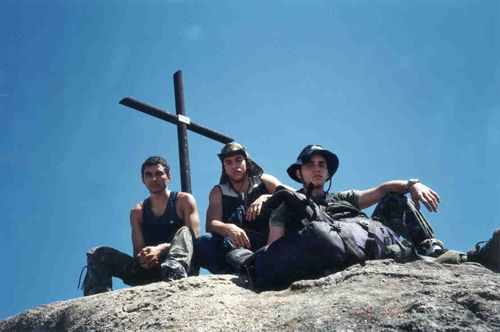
<point x="362" y="199"/>
<point x="234" y="208"/>
<point x="316" y="165"/>
<point x="314" y="232"/>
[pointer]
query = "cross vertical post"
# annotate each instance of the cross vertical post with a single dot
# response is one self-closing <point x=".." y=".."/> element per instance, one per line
<point x="183" y="124"/>
<point x="182" y="133"/>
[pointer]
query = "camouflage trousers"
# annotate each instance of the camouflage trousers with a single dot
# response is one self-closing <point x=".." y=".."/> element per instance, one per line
<point x="103" y="263"/>
<point x="398" y="213"/>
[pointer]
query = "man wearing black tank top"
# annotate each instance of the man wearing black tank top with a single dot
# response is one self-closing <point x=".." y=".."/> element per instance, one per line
<point x="163" y="228"/>
<point x="234" y="206"/>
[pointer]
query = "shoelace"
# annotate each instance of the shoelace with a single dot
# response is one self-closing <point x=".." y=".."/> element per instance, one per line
<point x="80" y="277"/>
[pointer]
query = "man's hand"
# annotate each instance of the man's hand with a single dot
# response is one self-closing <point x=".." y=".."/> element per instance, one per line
<point x="430" y="198"/>
<point x="149" y="257"/>
<point x="237" y="236"/>
<point x="255" y="207"/>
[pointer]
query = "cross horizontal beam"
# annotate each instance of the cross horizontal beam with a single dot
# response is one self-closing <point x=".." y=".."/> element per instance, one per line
<point x="161" y="114"/>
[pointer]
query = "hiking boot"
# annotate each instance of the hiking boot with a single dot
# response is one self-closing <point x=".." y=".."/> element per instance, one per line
<point x="431" y="247"/>
<point x="172" y="270"/>
<point x="93" y="283"/>
<point x="489" y="254"/>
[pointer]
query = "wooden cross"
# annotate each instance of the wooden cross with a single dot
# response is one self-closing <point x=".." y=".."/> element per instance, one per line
<point x="183" y="124"/>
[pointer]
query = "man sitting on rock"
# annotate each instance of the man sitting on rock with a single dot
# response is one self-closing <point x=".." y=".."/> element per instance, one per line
<point x="313" y="232"/>
<point x="234" y="207"/>
<point x="163" y="227"/>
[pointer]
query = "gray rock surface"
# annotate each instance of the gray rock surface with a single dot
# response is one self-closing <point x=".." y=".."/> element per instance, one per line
<point x="382" y="295"/>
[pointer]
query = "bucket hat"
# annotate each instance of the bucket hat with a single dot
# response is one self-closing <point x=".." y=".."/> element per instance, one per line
<point x="305" y="155"/>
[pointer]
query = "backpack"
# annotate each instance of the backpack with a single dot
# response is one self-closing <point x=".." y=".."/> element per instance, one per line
<point x="303" y="210"/>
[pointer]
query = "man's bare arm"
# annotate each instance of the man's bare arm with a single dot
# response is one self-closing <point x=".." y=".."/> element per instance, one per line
<point x="418" y="191"/>
<point x="189" y="213"/>
<point x="214" y="223"/>
<point x="271" y="184"/>
<point x="275" y="232"/>
<point x="135" y="224"/>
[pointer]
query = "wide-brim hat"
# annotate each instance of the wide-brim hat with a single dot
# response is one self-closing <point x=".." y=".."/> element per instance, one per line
<point x="332" y="161"/>
<point x="232" y="148"/>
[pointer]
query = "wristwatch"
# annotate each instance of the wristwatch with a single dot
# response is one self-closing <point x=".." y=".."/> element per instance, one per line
<point x="411" y="182"/>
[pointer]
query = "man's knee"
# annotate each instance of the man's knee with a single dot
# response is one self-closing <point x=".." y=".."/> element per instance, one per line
<point x="100" y="253"/>
<point x="391" y="206"/>
<point x="183" y="230"/>
<point x="394" y="197"/>
<point x="204" y="243"/>
<point x="390" y="211"/>
<point x="185" y="233"/>
<point x="398" y="213"/>
<point x="211" y="250"/>
<point x="183" y="240"/>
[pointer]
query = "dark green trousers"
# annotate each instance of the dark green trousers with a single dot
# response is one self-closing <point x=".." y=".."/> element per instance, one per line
<point x="103" y="263"/>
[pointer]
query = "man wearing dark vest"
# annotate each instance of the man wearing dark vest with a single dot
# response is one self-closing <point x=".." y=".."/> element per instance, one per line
<point x="333" y="233"/>
<point x="163" y="228"/>
<point x="234" y="208"/>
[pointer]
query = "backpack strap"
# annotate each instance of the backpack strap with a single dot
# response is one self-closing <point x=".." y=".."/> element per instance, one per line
<point x="297" y="204"/>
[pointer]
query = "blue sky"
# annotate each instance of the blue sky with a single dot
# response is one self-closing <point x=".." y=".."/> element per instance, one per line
<point x="397" y="89"/>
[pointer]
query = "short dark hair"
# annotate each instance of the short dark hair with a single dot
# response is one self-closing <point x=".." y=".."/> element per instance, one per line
<point x="155" y="160"/>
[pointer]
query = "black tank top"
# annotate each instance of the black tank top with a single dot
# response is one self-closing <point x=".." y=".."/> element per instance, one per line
<point x="235" y="205"/>
<point x="156" y="230"/>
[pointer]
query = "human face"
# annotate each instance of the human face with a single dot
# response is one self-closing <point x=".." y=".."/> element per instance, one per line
<point x="235" y="167"/>
<point x="155" y="178"/>
<point x="315" y="171"/>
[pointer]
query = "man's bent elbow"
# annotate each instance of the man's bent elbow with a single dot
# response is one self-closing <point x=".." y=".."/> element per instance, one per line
<point x="208" y="227"/>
